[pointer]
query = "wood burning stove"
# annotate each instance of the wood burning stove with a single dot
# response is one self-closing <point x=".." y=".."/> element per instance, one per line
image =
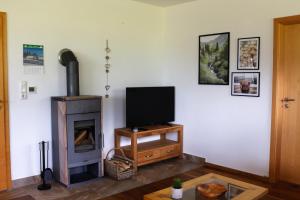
<point x="77" y="138"/>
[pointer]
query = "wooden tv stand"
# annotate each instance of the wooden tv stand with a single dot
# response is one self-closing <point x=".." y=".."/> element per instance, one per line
<point x="152" y="151"/>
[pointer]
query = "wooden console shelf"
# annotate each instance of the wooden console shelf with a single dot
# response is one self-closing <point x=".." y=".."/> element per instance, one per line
<point x="152" y="151"/>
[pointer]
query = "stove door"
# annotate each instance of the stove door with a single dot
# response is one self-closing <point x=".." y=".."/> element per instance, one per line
<point x="84" y="139"/>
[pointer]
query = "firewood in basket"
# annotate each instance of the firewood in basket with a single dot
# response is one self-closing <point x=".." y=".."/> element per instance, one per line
<point x="124" y="166"/>
<point x="121" y="165"/>
<point x="80" y="137"/>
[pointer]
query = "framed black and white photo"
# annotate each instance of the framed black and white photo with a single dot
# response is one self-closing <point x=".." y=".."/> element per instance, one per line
<point x="248" y="53"/>
<point x="214" y="59"/>
<point x="245" y="84"/>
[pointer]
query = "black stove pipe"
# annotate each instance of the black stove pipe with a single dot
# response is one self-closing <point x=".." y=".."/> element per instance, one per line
<point x="67" y="58"/>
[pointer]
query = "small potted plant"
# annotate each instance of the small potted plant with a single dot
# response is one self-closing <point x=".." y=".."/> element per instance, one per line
<point x="177" y="189"/>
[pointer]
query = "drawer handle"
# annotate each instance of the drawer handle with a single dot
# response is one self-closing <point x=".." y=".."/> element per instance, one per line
<point x="170" y="151"/>
<point x="148" y="156"/>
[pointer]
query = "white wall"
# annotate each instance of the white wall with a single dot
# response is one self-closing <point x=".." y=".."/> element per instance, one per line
<point x="226" y="130"/>
<point x="230" y="131"/>
<point x="134" y="32"/>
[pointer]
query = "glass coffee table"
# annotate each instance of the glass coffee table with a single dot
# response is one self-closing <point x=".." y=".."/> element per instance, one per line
<point x="236" y="190"/>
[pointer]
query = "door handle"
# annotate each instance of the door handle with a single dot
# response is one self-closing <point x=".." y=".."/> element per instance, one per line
<point x="286" y="99"/>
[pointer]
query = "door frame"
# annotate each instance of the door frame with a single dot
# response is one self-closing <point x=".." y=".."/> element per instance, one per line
<point x="278" y="86"/>
<point x="6" y="106"/>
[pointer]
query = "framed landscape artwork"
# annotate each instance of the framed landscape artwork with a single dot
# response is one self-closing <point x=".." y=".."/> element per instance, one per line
<point x="248" y="53"/>
<point x="33" y="55"/>
<point x="245" y="84"/>
<point x="214" y="59"/>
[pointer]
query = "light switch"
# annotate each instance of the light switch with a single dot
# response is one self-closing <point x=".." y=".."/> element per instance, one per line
<point x="24" y="90"/>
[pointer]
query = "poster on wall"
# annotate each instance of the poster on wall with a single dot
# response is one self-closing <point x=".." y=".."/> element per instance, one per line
<point x="248" y="53"/>
<point x="214" y="59"/>
<point x="33" y="54"/>
<point x="33" y="58"/>
<point x="245" y="84"/>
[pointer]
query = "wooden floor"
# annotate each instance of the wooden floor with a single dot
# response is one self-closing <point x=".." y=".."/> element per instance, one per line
<point x="280" y="191"/>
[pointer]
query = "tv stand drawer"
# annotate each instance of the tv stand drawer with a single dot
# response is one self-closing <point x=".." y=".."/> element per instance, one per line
<point x="158" y="154"/>
<point x="169" y="150"/>
<point x="148" y="155"/>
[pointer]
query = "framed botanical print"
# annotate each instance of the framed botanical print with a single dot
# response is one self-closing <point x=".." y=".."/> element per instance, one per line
<point x="248" y="53"/>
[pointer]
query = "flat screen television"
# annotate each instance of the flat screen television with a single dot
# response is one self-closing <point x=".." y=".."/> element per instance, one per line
<point x="149" y="106"/>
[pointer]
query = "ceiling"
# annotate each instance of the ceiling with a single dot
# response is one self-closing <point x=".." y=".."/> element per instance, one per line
<point x="164" y="3"/>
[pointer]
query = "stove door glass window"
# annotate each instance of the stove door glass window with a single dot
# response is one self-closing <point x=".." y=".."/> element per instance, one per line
<point x="84" y="136"/>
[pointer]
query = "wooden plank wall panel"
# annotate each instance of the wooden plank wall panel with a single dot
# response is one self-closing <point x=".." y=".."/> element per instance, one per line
<point x="62" y="130"/>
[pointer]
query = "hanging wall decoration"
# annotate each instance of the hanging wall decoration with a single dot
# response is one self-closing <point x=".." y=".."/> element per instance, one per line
<point x="107" y="68"/>
<point x="248" y="53"/>
<point x="33" y="58"/>
<point x="214" y="59"/>
<point x="245" y="84"/>
<point x="33" y="54"/>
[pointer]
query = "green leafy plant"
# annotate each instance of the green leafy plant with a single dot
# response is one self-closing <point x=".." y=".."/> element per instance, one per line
<point x="177" y="183"/>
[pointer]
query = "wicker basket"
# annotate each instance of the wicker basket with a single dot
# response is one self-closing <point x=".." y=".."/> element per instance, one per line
<point x="113" y="170"/>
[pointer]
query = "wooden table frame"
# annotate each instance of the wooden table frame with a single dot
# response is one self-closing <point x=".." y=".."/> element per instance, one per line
<point x="253" y="192"/>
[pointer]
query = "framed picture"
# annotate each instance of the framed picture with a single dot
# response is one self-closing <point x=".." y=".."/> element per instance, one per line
<point x="33" y="55"/>
<point x="245" y="84"/>
<point x="248" y="53"/>
<point x="214" y="59"/>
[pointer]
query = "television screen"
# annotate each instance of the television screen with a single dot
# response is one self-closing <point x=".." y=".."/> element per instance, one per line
<point x="149" y="106"/>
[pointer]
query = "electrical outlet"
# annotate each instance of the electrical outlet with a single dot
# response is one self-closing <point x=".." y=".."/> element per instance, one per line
<point x="32" y="89"/>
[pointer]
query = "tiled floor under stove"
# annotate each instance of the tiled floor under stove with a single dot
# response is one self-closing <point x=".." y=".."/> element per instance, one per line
<point x="104" y="187"/>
